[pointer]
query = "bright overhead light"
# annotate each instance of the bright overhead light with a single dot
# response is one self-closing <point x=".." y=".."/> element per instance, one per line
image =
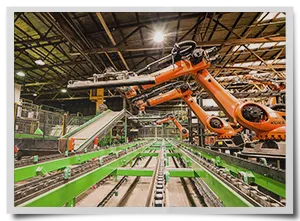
<point x="158" y="36"/>
<point x="63" y="90"/>
<point x="21" y="74"/>
<point x="34" y="94"/>
<point x="39" y="62"/>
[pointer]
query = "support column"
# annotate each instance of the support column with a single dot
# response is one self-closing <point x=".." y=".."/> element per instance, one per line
<point x="155" y="131"/>
<point x="64" y="124"/>
<point x="125" y="130"/>
<point x="190" y="122"/>
<point x="44" y="126"/>
<point x="125" y="121"/>
<point x="201" y="136"/>
<point x="110" y="136"/>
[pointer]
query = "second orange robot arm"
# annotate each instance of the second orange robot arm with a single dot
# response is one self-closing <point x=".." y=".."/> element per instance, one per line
<point x="215" y="124"/>
<point x="182" y="129"/>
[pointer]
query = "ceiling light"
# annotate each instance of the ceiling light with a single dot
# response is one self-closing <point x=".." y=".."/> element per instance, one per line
<point x="39" y="62"/>
<point x="63" y="90"/>
<point x="158" y="36"/>
<point x="34" y="94"/>
<point x="21" y="74"/>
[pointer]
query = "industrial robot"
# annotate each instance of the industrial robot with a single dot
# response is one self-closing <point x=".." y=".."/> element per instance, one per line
<point x="172" y="117"/>
<point x="228" y="137"/>
<point x="268" y="124"/>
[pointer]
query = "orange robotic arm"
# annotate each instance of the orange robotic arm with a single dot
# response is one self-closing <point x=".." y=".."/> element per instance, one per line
<point x="265" y="122"/>
<point x="182" y="129"/>
<point x="182" y="67"/>
<point x="170" y="95"/>
<point x="165" y="120"/>
<point x="274" y="86"/>
<point x="215" y="124"/>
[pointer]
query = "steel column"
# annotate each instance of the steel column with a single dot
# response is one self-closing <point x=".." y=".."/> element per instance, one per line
<point x="190" y="125"/>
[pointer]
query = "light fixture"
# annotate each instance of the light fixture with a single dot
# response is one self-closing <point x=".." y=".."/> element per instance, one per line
<point x="63" y="90"/>
<point x="39" y="62"/>
<point x="21" y="74"/>
<point x="158" y="36"/>
<point x="34" y="94"/>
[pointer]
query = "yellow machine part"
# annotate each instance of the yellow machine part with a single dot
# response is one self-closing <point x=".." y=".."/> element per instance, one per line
<point x="97" y="95"/>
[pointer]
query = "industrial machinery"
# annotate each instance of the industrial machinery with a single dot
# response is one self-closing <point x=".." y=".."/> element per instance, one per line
<point x="187" y="59"/>
<point x="110" y="78"/>
<point x="268" y="124"/>
<point x="265" y="122"/>
<point x="97" y="96"/>
<point x="172" y="117"/>
<point x="180" y="65"/>
<point x="224" y="131"/>
<point x="276" y="103"/>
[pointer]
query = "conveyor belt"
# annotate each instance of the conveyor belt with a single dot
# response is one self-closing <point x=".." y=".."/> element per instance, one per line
<point x="98" y="126"/>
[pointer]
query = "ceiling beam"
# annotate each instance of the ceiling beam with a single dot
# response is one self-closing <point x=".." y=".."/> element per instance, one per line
<point x="245" y="46"/>
<point x="231" y="42"/>
<point x="69" y="38"/>
<point x="39" y="40"/>
<point x="148" y="22"/>
<point x="40" y="83"/>
<point x="102" y="21"/>
<point x="52" y="65"/>
<point x="262" y="67"/>
<point x="75" y="98"/>
<point x="86" y="62"/>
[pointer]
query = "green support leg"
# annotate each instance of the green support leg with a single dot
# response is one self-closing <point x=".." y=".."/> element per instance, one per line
<point x="167" y="176"/>
<point x="71" y="203"/>
<point x="115" y="176"/>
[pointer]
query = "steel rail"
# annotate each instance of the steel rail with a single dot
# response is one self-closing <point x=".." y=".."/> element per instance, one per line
<point x="125" y="198"/>
<point x="185" y="187"/>
<point x="105" y="200"/>
<point x="30" y="171"/>
<point x="270" y="178"/>
<point x="205" y="195"/>
<point x="253" y="196"/>
<point x="62" y="195"/>
<point x="30" y="190"/>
